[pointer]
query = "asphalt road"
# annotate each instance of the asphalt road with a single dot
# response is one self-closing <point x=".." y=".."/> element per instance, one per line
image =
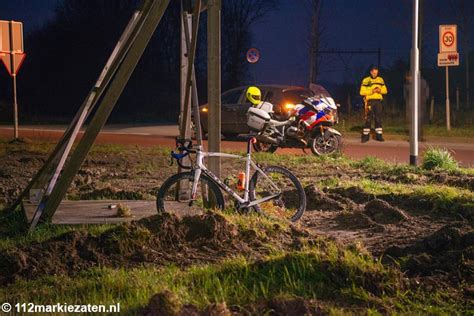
<point x="393" y="150"/>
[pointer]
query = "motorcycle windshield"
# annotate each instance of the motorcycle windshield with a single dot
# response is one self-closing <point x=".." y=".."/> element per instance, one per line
<point x="319" y="91"/>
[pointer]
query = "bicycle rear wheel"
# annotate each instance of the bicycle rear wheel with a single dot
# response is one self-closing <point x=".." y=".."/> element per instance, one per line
<point x="174" y="196"/>
<point x="290" y="203"/>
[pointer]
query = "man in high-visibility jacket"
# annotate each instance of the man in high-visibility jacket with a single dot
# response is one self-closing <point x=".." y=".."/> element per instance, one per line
<point x="373" y="89"/>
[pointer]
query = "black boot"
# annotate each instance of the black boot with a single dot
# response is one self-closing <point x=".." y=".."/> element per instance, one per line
<point x="364" y="138"/>
<point x="379" y="137"/>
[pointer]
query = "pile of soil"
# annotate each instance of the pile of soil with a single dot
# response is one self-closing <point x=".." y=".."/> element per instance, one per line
<point x="157" y="240"/>
<point x="356" y="194"/>
<point x="318" y="200"/>
<point x="383" y="213"/>
<point x="414" y="204"/>
<point x="166" y="303"/>
<point x="449" y="250"/>
<point x="375" y="214"/>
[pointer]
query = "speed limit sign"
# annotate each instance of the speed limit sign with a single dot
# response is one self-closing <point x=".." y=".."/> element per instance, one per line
<point x="448" y="41"/>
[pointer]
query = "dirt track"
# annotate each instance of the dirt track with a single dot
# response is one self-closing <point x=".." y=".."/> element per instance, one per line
<point x="391" y="150"/>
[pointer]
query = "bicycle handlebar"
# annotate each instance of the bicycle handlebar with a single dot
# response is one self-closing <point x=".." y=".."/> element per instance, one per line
<point x="185" y="146"/>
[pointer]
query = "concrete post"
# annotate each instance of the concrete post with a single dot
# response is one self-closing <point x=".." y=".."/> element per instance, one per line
<point x="214" y="81"/>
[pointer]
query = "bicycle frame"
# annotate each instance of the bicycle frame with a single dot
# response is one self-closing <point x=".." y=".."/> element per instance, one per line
<point x="249" y="164"/>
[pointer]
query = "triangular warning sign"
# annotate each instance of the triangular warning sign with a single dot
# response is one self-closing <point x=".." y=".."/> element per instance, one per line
<point x="12" y="62"/>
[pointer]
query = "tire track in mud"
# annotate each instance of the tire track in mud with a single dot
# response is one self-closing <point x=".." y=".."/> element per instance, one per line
<point x="398" y="228"/>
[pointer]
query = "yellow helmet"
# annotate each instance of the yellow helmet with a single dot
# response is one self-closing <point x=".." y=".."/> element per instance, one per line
<point x="254" y="95"/>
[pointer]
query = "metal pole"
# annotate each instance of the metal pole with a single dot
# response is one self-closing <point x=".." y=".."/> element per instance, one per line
<point x="15" y="108"/>
<point x="214" y="81"/>
<point x="13" y="71"/>
<point x="448" y="106"/>
<point x="415" y="72"/>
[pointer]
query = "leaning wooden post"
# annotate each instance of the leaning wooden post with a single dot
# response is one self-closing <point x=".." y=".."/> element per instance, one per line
<point x="185" y="130"/>
<point x="140" y="41"/>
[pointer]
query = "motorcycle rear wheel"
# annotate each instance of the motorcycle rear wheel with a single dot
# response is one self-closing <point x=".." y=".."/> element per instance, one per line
<point x="321" y="145"/>
<point x="264" y="147"/>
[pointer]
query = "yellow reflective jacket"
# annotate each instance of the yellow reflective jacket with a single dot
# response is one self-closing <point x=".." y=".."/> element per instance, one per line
<point x="369" y="84"/>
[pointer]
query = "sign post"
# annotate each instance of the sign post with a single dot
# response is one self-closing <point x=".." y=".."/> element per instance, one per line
<point x="448" y="56"/>
<point x="253" y="56"/>
<point x="12" y="55"/>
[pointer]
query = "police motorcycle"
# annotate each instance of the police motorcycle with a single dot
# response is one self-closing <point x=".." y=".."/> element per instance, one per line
<point x="310" y="125"/>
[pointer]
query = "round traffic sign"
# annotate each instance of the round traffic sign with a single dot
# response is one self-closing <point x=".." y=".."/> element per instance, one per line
<point x="448" y="38"/>
<point x="253" y="55"/>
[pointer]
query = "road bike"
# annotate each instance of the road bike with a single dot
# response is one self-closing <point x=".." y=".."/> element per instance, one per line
<point x="273" y="191"/>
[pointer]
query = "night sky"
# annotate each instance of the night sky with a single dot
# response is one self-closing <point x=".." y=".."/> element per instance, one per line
<point x="282" y="37"/>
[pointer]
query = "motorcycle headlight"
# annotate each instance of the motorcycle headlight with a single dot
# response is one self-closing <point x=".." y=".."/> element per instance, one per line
<point x="289" y="106"/>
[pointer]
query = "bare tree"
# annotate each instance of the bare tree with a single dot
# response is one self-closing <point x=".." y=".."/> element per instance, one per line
<point x="315" y="8"/>
<point x="238" y="17"/>
<point x="464" y="12"/>
<point x="466" y="17"/>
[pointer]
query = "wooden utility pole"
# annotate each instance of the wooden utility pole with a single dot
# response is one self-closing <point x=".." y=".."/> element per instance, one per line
<point x="214" y="81"/>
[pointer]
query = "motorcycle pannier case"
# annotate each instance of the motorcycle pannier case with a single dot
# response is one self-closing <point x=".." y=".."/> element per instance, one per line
<point x="256" y="119"/>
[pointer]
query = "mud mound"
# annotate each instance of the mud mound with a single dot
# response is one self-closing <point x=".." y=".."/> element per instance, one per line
<point x="317" y="200"/>
<point x="374" y="215"/>
<point x="464" y="181"/>
<point x="450" y="250"/>
<point x="166" y="303"/>
<point x="355" y="194"/>
<point x="157" y="240"/>
<point x="353" y="220"/>
<point x="383" y="213"/>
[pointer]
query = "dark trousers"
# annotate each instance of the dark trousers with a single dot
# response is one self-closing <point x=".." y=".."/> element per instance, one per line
<point x="374" y="113"/>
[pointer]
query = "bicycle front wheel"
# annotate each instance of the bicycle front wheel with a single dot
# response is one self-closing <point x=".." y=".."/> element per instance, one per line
<point x="174" y="196"/>
<point x="290" y="202"/>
